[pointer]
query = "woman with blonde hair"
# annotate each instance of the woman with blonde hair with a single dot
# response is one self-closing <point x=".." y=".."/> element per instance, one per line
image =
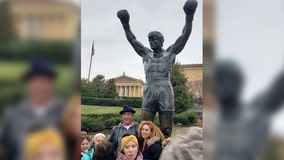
<point x="150" y="140"/>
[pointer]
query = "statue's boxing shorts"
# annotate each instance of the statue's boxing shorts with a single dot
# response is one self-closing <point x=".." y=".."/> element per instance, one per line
<point x="158" y="97"/>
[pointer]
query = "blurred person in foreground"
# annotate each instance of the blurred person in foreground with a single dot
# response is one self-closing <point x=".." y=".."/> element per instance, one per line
<point x="129" y="148"/>
<point x="128" y="126"/>
<point x="185" y="146"/>
<point x="40" y="107"/>
<point x="98" y="138"/>
<point x="243" y="128"/>
<point x="150" y="140"/>
<point x="104" y="151"/>
<point x="71" y="127"/>
<point x="44" y="144"/>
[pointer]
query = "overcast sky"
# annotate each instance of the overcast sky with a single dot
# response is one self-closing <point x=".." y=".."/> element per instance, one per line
<point x="252" y="34"/>
<point x="113" y="54"/>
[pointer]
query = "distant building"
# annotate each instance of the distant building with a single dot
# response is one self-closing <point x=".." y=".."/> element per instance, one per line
<point x="44" y="19"/>
<point x="194" y="75"/>
<point x="128" y="86"/>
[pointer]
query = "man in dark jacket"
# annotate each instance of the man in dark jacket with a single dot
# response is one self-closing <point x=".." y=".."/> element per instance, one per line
<point x="128" y="126"/>
<point x="40" y="108"/>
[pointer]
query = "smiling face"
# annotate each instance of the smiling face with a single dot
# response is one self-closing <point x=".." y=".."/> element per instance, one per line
<point x="84" y="145"/>
<point x="127" y="118"/>
<point x="145" y="132"/>
<point x="130" y="150"/>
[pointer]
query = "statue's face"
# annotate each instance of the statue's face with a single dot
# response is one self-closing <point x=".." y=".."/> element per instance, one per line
<point x="155" y="42"/>
<point x="228" y="84"/>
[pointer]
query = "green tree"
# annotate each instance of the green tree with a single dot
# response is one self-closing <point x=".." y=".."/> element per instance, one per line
<point x="100" y="87"/>
<point x="99" y="82"/>
<point x="88" y="89"/>
<point x="110" y="88"/>
<point x="183" y="99"/>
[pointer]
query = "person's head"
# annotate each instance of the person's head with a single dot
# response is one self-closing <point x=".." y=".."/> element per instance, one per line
<point x="228" y="82"/>
<point x="129" y="146"/>
<point x="156" y="39"/>
<point x="84" y="132"/>
<point x="147" y="130"/>
<point x="104" y="151"/>
<point x="98" y="138"/>
<point x="44" y="144"/>
<point x="127" y="114"/>
<point x="85" y="142"/>
<point x="39" y="81"/>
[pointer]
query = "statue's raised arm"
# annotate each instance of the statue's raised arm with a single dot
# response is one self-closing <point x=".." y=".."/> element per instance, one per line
<point x="189" y="9"/>
<point x="140" y="49"/>
<point x="272" y="100"/>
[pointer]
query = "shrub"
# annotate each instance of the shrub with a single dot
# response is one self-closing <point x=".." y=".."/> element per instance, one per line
<point x="99" y="122"/>
<point x="93" y="124"/>
<point x="110" y="123"/>
<point x="59" y="51"/>
<point x="186" y="118"/>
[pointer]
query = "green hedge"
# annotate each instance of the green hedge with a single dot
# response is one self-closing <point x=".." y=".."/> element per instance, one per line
<point x="99" y="122"/>
<point x="59" y="51"/>
<point x="186" y="118"/>
<point x="136" y="103"/>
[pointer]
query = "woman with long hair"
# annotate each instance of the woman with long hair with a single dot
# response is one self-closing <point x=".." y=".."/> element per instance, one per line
<point x="129" y="148"/>
<point x="150" y="140"/>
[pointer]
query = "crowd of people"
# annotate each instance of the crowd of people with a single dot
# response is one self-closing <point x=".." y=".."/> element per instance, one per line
<point x="129" y="140"/>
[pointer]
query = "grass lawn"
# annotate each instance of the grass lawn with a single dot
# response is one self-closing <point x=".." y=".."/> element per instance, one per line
<point x="104" y="110"/>
<point x="11" y="85"/>
<point x="15" y="69"/>
<point x="12" y="70"/>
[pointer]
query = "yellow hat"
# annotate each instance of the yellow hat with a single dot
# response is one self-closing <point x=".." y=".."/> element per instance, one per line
<point x="38" y="138"/>
<point x="127" y="139"/>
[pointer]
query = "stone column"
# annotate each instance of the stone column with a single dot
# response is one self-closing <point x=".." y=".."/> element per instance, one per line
<point x="117" y="90"/>
<point x="127" y="91"/>
<point x="124" y="93"/>
<point x="139" y="91"/>
<point x="120" y="90"/>
<point x="130" y="92"/>
<point x="135" y="91"/>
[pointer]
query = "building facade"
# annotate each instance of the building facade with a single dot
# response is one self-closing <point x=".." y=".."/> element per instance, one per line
<point x="44" y="19"/>
<point x="128" y="86"/>
<point x="194" y="75"/>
